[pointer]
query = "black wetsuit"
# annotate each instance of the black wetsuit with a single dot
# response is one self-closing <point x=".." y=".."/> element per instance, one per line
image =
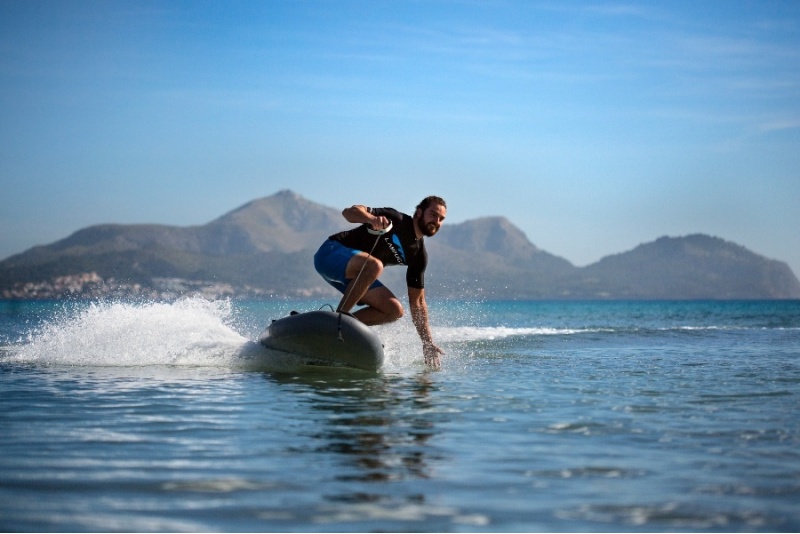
<point x="400" y="246"/>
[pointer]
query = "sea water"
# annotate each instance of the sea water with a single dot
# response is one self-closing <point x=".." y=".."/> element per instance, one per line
<point x="545" y="416"/>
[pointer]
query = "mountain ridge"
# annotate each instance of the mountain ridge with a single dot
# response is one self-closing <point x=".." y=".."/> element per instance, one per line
<point x="265" y="247"/>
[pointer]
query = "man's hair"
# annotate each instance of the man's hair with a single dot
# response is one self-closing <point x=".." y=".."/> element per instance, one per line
<point x="427" y="201"/>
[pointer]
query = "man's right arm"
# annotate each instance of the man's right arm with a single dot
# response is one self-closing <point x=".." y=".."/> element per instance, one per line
<point x="358" y="214"/>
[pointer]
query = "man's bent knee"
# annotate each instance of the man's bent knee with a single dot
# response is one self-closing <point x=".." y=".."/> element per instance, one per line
<point x="381" y="307"/>
<point x="394" y="310"/>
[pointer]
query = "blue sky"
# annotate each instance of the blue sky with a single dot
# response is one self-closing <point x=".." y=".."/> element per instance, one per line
<point x="592" y="126"/>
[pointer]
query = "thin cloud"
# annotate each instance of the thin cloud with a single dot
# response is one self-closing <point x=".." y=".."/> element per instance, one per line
<point x="779" y="125"/>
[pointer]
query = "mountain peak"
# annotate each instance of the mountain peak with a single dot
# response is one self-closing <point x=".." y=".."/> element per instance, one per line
<point x="284" y="222"/>
<point x="287" y="193"/>
<point x="495" y="235"/>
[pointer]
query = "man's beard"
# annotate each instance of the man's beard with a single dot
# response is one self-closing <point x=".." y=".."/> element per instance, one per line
<point x="427" y="229"/>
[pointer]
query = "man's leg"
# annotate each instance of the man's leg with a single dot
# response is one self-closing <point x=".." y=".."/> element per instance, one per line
<point x="382" y="305"/>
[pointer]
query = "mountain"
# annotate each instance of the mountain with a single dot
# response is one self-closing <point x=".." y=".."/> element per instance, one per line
<point x="696" y="266"/>
<point x="262" y="246"/>
<point x="492" y="257"/>
<point x="266" y="247"/>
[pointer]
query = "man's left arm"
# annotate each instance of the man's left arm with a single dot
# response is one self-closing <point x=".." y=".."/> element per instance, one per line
<point x="419" y="315"/>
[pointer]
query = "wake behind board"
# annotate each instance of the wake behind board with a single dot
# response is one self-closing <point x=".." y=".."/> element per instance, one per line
<point x="326" y="338"/>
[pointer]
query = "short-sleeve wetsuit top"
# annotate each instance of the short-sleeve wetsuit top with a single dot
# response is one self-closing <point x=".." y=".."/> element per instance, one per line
<point x="400" y="246"/>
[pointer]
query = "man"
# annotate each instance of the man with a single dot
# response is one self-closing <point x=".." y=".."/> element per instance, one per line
<point x="351" y="261"/>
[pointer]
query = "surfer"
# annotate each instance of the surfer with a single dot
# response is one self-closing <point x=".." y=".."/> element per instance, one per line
<point x="353" y="260"/>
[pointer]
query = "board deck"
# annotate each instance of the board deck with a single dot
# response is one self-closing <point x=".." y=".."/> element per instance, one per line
<point x="326" y="338"/>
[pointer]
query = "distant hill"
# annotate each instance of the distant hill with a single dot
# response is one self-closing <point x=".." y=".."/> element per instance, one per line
<point x="694" y="267"/>
<point x="266" y="247"/>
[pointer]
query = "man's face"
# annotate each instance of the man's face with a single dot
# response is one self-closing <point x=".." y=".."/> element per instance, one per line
<point x="431" y="219"/>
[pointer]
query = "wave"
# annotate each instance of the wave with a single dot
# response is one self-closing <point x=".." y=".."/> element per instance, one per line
<point x="489" y="333"/>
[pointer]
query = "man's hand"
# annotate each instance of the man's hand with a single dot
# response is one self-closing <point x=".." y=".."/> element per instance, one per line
<point x="431" y="354"/>
<point x="380" y="223"/>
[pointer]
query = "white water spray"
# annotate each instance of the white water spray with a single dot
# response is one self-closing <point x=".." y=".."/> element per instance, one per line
<point x="192" y="332"/>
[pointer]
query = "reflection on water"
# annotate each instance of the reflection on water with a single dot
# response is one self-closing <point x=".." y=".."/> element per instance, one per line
<point x="377" y="428"/>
